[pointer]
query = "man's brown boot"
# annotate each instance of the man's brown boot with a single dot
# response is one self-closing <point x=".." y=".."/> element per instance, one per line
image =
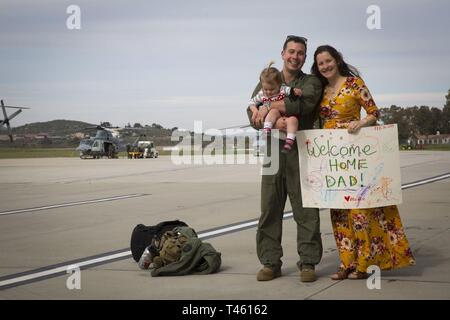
<point x="267" y="274"/>
<point x="307" y="274"/>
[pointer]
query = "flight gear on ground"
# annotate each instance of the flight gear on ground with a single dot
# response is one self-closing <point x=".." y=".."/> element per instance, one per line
<point x="181" y="252"/>
<point x="142" y="235"/>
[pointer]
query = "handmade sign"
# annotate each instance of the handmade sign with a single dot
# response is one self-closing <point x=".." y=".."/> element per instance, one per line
<point x="343" y="171"/>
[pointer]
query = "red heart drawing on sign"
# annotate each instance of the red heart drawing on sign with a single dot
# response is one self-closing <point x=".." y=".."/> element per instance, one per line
<point x="347" y="198"/>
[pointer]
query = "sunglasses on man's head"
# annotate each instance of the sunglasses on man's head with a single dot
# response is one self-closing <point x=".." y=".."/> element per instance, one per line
<point x="297" y="39"/>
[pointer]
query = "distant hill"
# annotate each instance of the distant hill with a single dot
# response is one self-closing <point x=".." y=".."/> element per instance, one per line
<point x="65" y="128"/>
<point x="53" y="128"/>
<point x="60" y="134"/>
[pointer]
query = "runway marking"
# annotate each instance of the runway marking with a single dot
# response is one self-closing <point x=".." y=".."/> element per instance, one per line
<point x="52" y="271"/>
<point x="56" y="271"/>
<point x="426" y="181"/>
<point x="70" y="204"/>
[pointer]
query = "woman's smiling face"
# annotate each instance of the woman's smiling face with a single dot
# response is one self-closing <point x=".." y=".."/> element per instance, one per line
<point x="327" y="65"/>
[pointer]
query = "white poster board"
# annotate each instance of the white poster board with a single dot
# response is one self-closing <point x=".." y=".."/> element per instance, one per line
<point x="344" y="171"/>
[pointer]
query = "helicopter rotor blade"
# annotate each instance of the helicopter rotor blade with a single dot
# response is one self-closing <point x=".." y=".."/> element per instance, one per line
<point x="6" y="121"/>
<point x="9" y="132"/>
<point x="236" y="127"/>
<point x="13" y="107"/>
<point x="12" y="116"/>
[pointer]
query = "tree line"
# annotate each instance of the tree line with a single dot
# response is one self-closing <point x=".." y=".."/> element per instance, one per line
<point x="415" y="120"/>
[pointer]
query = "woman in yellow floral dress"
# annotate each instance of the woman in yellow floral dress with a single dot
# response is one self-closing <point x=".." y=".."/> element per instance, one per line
<point x="364" y="237"/>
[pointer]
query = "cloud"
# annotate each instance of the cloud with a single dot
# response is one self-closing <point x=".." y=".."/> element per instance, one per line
<point x="430" y="99"/>
<point x="172" y="62"/>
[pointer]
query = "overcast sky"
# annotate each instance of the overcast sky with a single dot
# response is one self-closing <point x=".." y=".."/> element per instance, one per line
<point x="172" y="62"/>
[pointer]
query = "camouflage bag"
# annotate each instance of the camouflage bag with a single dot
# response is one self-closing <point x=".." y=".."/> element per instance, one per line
<point x="170" y="246"/>
<point x="181" y="252"/>
<point x="143" y="236"/>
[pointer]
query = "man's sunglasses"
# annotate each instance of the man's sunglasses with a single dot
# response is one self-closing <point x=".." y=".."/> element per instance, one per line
<point x="296" y="39"/>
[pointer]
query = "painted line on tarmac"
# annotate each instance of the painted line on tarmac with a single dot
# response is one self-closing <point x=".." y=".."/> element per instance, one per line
<point x="52" y="271"/>
<point x="70" y="204"/>
<point x="59" y="269"/>
<point x="425" y="181"/>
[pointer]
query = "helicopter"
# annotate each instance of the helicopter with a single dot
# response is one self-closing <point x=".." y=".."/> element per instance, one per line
<point x="7" y="118"/>
<point x="105" y="143"/>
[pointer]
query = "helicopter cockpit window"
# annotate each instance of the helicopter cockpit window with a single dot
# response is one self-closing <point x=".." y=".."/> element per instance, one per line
<point x="102" y="134"/>
<point x="87" y="142"/>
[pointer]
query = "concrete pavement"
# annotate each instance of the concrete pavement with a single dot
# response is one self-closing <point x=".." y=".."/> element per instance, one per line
<point x="82" y="208"/>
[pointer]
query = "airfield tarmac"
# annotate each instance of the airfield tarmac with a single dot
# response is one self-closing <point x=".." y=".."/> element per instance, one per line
<point x="58" y="212"/>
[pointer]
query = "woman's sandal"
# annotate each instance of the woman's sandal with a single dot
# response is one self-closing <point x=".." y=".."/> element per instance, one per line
<point x="357" y="275"/>
<point x="341" y="274"/>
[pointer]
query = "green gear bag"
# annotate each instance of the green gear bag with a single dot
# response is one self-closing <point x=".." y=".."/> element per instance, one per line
<point x="171" y="245"/>
<point x="182" y="253"/>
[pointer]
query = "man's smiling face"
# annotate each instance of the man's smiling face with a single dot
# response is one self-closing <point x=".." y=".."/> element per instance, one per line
<point x="294" y="56"/>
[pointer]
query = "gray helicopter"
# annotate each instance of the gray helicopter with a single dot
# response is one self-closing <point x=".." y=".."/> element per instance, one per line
<point x="105" y="143"/>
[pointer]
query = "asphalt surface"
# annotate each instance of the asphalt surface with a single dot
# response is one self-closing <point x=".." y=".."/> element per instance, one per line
<point x="59" y="212"/>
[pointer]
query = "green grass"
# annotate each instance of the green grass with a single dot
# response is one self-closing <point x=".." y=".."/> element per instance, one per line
<point x="9" y="153"/>
<point x="13" y="153"/>
<point x="438" y="147"/>
<point x="429" y="147"/>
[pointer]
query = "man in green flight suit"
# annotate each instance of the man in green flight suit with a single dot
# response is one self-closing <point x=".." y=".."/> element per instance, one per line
<point x="286" y="181"/>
